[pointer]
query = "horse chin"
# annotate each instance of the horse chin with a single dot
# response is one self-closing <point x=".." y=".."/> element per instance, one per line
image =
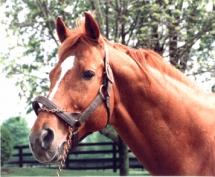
<point x="50" y="156"/>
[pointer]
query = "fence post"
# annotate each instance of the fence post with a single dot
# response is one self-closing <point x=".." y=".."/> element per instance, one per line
<point x="114" y="157"/>
<point x="20" y="156"/>
<point x="67" y="161"/>
<point x="123" y="158"/>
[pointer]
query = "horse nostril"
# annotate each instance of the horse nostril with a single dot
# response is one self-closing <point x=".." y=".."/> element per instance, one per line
<point x="46" y="138"/>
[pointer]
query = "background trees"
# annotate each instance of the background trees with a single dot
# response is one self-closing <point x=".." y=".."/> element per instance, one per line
<point x="6" y="145"/>
<point x="18" y="130"/>
<point x="14" y="131"/>
<point x="182" y="31"/>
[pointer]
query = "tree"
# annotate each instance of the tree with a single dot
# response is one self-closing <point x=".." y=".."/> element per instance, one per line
<point x="6" y="144"/>
<point x="18" y="129"/>
<point x="182" y="31"/>
<point x="32" y="23"/>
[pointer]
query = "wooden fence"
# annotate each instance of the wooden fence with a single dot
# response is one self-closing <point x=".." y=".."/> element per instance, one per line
<point x="103" y="155"/>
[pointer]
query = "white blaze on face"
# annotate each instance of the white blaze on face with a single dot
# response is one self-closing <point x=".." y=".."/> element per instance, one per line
<point x="67" y="64"/>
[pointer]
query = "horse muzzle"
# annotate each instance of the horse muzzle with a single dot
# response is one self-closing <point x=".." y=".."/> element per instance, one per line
<point x="44" y="148"/>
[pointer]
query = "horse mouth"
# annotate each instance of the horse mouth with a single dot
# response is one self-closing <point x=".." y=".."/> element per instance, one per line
<point x="51" y="156"/>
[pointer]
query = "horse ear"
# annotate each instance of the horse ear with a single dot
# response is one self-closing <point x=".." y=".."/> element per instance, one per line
<point x="62" y="30"/>
<point x="91" y="27"/>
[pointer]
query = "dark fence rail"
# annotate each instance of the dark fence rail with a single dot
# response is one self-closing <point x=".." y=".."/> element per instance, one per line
<point x="103" y="155"/>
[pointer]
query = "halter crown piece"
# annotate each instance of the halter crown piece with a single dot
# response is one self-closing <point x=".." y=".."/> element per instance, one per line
<point x="73" y="119"/>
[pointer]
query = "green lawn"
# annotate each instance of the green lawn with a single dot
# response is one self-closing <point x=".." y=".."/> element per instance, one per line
<point x="35" y="171"/>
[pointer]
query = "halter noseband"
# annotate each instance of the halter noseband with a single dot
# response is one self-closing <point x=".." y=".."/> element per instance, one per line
<point x="74" y="119"/>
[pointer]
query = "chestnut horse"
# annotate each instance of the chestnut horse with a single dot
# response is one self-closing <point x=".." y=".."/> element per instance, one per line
<point x="167" y="122"/>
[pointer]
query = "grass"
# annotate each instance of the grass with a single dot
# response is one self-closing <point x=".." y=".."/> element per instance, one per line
<point x="36" y="171"/>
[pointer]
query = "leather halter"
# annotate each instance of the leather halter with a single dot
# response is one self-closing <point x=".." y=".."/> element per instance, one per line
<point x="74" y="119"/>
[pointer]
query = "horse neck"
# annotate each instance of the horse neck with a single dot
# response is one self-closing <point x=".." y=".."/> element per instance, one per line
<point x="151" y="116"/>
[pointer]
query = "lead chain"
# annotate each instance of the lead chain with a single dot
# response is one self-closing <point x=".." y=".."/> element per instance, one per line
<point x="66" y="151"/>
<point x="51" y="110"/>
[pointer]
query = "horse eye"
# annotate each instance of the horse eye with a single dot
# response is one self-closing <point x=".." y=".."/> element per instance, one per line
<point x="88" y="74"/>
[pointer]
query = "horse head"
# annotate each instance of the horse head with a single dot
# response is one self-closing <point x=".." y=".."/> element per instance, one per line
<point x="78" y="101"/>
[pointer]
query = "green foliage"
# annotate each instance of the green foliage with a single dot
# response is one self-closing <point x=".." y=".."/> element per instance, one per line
<point x="32" y="23"/>
<point x="6" y="144"/>
<point x="97" y="137"/>
<point x="18" y="129"/>
<point x="182" y="31"/>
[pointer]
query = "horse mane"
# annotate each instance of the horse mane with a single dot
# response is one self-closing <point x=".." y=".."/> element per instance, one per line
<point x="145" y="57"/>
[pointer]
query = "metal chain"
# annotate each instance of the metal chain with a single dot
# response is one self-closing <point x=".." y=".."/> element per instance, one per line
<point x="67" y="148"/>
<point x="51" y="110"/>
